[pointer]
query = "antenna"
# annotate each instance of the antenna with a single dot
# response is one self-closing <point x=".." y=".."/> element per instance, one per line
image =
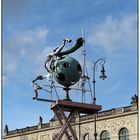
<point x="84" y="72"/>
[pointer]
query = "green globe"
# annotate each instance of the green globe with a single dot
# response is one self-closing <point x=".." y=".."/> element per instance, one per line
<point x="67" y="71"/>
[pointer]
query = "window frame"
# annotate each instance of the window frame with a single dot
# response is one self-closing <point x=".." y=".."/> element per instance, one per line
<point x="125" y="134"/>
<point x="107" y="137"/>
<point x="86" y="135"/>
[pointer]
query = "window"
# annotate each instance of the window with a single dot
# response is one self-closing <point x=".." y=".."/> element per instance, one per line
<point x="105" y="135"/>
<point x="86" y="136"/>
<point x="124" y="134"/>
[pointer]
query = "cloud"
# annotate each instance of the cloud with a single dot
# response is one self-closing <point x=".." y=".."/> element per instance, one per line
<point x="114" y="34"/>
<point x="31" y="37"/>
<point x="22" y="48"/>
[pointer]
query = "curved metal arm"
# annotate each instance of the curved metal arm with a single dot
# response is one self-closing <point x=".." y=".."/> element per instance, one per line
<point x="78" y="44"/>
<point x="94" y="66"/>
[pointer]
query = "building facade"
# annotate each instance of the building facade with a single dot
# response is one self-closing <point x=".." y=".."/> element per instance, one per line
<point x="114" y="124"/>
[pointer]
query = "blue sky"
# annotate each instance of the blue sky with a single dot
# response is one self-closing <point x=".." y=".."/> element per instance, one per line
<point x="31" y="29"/>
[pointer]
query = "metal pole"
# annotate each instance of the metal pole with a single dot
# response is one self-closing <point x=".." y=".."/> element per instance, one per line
<point x="94" y="95"/>
<point x="94" y="81"/>
<point x="95" y="133"/>
<point x="94" y="100"/>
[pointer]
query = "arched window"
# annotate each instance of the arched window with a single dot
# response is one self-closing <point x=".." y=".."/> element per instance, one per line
<point x="86" y="136"/>
<point x="105" y="135"/>
<point x="124" y="134"/>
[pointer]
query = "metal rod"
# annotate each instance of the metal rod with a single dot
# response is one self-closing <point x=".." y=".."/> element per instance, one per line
<point x="71" y="88"/>
<point x="95" y="133"/>
<point x="45" y="100"/>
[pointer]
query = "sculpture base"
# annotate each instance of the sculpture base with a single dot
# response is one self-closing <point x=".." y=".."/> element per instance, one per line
<point x="67" y="97"/>
<point x="61" y="106"/>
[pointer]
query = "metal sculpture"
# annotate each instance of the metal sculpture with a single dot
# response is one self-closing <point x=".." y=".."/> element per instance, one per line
<point x="65" y="69"/>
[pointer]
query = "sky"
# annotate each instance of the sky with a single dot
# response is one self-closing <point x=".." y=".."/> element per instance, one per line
<point x="32" y="29"/>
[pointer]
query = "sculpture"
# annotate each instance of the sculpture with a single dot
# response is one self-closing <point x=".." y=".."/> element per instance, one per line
<point x="65" y="69"/>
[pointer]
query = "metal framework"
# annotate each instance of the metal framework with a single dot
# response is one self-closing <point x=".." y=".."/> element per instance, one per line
<point x="84" y="78"/>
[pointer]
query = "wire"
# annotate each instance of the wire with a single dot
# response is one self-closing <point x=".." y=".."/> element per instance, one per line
<point x="55" y="90"/>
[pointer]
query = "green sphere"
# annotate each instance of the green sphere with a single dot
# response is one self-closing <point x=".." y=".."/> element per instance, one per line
<point x="67" y="71"/>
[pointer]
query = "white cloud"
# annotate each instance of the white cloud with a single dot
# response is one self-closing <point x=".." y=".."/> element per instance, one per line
<point x="41" y="58"/>
<point x="22" y="47"/>
<point x="43" y="54"/>
<point x="31" y="37"/>
<point x="114" y="34"/>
